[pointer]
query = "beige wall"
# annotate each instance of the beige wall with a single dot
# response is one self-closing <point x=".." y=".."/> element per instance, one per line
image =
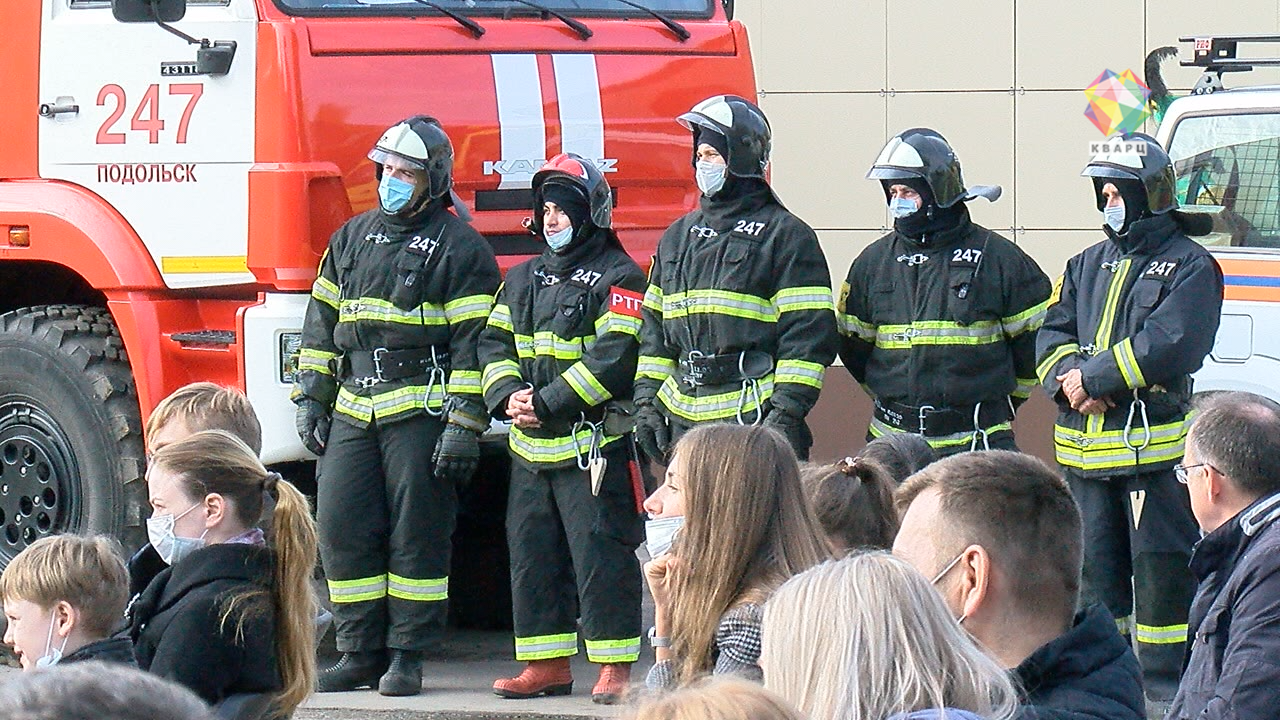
<point x="1002" y="80"/>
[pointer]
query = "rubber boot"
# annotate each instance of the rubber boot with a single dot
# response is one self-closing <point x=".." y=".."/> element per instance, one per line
<point x="353" y="670"/>
<point x="540" y="677"/>
<point x="614" y="680"/>
<point x="403" y="676"/>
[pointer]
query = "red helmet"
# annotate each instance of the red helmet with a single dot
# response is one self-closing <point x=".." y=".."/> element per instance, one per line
<point x="574" y="171"/>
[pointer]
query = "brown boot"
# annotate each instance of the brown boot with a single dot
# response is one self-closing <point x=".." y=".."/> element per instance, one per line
<point x="540" y="677"/>
<point x="614" y="680"/>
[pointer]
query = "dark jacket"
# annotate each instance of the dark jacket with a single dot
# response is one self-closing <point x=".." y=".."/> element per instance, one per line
<point x="1233" y="663"/>
<point x="567" y="324"/>
<point x="427" y="282"/>
<point x="738" y="274"/>
<point x="113" y="649"/>
<point x="948" y="321"/>
<point x="1087" y="673"/>
<point x="178" y="630"/>
<point x="1137" y="314"/>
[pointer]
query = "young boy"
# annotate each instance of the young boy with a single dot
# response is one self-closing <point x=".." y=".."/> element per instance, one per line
<point x="63" y="597"/>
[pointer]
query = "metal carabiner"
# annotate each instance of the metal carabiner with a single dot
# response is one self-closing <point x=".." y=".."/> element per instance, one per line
<point x="435" y="378"/>
<point x="921" y="415"/>
<point x="1139" y="406"/>
<point x="979" y="431"/>
<point x="592" y="453"/>
<point x="750" y="388"/>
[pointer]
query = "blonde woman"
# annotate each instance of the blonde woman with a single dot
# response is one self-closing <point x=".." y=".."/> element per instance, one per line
<point x="234" y="612"/>
<point x="717" y="698"/>
<point x="747" y="529"/>
<point x="868" y="638"/>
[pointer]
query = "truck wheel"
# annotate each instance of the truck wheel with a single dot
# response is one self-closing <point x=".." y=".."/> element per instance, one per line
<point x="71" y="455"/>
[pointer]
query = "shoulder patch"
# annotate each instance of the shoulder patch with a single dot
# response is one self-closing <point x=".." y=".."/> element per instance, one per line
<point x="1056" y="295"/>
<point x="625" y="302"/>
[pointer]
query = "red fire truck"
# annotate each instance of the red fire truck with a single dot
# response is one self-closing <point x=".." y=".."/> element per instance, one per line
<point x="171" y="172"/>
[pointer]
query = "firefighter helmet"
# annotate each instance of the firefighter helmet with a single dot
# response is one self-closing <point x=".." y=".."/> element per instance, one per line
<point x="923" y="153"/>
<point x="1138" y="157"/>
<point x="417" y="143"/>
<point x="744" y="127"/>
<point x="572" y="170"/>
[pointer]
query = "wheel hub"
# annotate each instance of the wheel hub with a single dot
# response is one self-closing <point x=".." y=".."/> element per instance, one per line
<point x="36" y="474"/>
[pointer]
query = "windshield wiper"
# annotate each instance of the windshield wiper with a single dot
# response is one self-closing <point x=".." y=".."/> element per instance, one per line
<point x="463" y="20"/>
<point x="676" y="28"/>
<point x="583" y="31"/>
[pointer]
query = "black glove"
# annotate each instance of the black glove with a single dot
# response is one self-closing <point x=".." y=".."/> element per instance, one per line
<point x="793" y="429"/>
<point x="457" y="454"/>
<point x="652" y="434"/>
<point x="313" y="421"/>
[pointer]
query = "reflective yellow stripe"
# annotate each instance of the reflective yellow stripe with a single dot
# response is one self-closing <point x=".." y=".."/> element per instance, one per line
<point x="880" y="429"/>
<point x="803" y="298"/>
<point x="500" y="317"/>
<point x="614" y="651"/>
<point x="378" y="310"/>
<point x="469" y="307"/>
<point x="937" y="332"/>
<point x="1124" y="624"/>
<point x="429" y="590"/>
<point x="547" y="344"/>
<point x="462" y="382"/>
<point x="1025" y="385"/>
<point x="1102" y="340"/>
<point x="851" y="326"/>
<point x="653" y="298"/>
<point x="204" y="264"/>
<point x="1128" y="364"/>
<point x="1160" y="634"/>
<point x="325" y="291"/>
<point x="320" y="361"/>
<point x="358" y="590"/>
<point x="1105" y="450"/>
<point x="388" y="404"/>
<point x="655" y="368"/>
<point x="718" y="302"/>
<point x="544" y="647"/>
<point x="495" y="371"/>
<point x="705" y="408"/>
<point x="1026" y="321"/>
<point x="552" y="450"/>
<point x="613" y="322"/>
<point x="1042" y="371"/>
<point x="801" y="372"/>
<point x="585" y="384"/>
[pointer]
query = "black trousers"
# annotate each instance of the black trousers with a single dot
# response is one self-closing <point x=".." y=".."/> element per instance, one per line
<point x="574" y="553"/>
<point x="385" y="527"/>
<point x="1138" y="535"/>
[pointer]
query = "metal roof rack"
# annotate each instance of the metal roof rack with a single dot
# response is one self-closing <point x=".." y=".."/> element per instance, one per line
<point x="1217" y="55"/>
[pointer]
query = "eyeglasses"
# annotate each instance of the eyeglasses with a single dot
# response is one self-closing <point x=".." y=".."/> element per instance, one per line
<point x="1180" y="471"/>
<point x="943" y="572"/>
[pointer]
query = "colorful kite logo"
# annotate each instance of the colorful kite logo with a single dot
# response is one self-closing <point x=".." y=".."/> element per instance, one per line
<point x="1117" y="103"/>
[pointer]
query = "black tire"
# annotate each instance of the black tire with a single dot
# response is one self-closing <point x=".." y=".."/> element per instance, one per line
<point x="71" y="452"/>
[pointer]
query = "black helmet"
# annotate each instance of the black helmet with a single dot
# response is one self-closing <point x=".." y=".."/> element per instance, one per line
<point x="581" y="174"/>
<point x="923" y="153"/>
<point x="420" y="143"/>
<point x="1138" y="157"/>
<point x="742" y="124"/>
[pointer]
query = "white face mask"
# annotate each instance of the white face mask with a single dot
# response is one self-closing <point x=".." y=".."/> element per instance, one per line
<point x="558" y="241"/>
<point x="900" y="207"/>
<point x="170" y="547"/>
<point x="51" y="654"/>
<point x="660" y="533"/>
<point x="710" y="176"/>
<point x="1114" y="216"/>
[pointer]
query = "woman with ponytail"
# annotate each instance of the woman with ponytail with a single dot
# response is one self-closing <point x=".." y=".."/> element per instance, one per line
<point x="853" y="502"/>
<point x="234" y="611"/>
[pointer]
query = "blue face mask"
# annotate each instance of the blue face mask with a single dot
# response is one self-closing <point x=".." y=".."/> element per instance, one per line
<point x="394" y="194"/>
<point x="559" y="240"/>
<point x="902" y="207"/>
<point x="710" y="176"/>
<point x="1114" y="216"/>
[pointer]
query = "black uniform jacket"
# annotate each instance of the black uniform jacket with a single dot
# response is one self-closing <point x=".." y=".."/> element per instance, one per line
<point x="1087" y="673"/>
<point x="567" y="325"/>
<point x="383" y="283"/>
<point x="1233" y="654"/>
<point x="738" y="274"/>
<point x="1137" y="314"/>
<point x="178" y="630"/>
<point x="113" y="649"/>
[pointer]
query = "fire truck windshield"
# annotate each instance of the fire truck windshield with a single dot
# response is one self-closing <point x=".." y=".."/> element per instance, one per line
<point x="1229" y="166"/>
<point x="694" y="9"/>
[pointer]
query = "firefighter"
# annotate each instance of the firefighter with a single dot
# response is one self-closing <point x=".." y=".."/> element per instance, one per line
<point x="1131" y="318"/>
<point x="559" y="356"/>
<point x="938" y="318"/>
<point x="388" y="392"/>
<point x="738" y="321"/>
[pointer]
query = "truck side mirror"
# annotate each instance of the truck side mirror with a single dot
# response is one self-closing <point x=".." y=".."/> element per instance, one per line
<point x="133" y="11"/>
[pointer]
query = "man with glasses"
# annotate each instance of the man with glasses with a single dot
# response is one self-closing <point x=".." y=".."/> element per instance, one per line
<point x="999" y="533"/>
<point x="1231" y="473"/>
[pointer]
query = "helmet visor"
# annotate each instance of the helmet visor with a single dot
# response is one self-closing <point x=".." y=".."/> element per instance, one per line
<point x="395" y="160"/>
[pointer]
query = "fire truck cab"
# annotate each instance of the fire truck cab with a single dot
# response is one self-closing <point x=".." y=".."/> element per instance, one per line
<point x="1225" y="147"/>
<point x="172" y="171"/>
